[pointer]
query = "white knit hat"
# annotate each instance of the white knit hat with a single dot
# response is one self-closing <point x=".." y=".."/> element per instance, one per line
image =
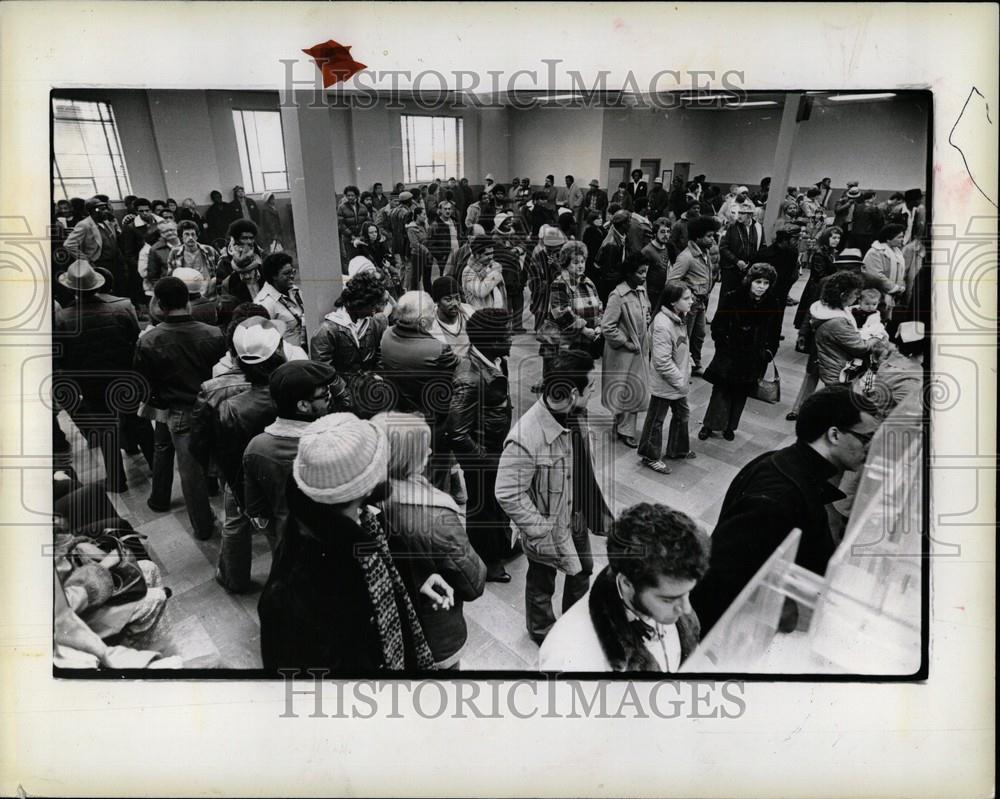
<point x="341" y="458"/>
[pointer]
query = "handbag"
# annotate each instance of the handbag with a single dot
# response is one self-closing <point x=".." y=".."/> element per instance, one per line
<point x="768" y="386"/>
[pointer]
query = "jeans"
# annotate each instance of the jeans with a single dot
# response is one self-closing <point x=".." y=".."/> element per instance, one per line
<point x="696" y="329"/>
<point x="236" y="551"/>
<point x="678" y="444"/>
<point x="540" y="584"/>
<point x="192" y="475"/>
<point x="163" y="466"/>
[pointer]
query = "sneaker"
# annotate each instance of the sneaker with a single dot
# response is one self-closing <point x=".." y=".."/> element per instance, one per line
<point x="656" y="466"/>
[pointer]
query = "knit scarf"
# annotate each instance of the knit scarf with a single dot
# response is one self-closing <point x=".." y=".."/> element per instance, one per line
<point x="399" y="629"/>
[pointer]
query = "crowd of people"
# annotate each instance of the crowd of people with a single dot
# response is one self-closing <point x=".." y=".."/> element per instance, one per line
<point x="379" y="455"/>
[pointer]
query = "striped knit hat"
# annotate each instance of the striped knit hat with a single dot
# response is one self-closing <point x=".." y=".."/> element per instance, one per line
<point x="341" y="458"/>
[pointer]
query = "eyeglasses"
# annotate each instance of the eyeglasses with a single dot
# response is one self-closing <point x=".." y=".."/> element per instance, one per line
<point x="864" y="438"/>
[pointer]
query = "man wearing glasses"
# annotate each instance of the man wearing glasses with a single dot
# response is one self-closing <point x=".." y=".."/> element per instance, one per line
<point x="785" y="489"/>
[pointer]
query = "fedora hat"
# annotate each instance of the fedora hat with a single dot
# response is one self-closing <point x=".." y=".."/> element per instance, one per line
<point x="80" y="276"/>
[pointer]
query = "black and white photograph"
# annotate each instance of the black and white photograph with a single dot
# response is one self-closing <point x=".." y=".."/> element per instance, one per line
<point x="578" y="420"/>
<point x="533" y="382"/>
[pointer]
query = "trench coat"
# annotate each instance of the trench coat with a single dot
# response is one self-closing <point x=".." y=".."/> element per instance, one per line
<point x="624" y="371"/>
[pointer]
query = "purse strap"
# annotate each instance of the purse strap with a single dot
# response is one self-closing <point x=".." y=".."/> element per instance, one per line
<point x="771" y="365"/>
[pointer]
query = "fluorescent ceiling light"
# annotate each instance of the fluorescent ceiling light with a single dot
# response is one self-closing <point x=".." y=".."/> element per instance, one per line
<point x="838" y="98"/>
<point x="752" y="104"/>
<point x="705" y="96"/>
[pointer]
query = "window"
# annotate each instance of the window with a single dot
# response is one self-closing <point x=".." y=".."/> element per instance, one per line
<point x="86" y="151"/>
<point x="262" y="150"/>
<point x="432" y="148"/>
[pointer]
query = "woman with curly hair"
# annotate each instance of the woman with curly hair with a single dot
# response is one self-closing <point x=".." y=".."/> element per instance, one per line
<point x="573" y="319"/>
<point x="740" y="331"/>
<point x="834" y="329"/>
<point x="373" y="245"/>
<point x="821" y="266"/>
<point x="350" y="336"/>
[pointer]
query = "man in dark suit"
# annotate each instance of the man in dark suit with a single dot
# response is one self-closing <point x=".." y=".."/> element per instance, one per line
<point x="638" y="187"/>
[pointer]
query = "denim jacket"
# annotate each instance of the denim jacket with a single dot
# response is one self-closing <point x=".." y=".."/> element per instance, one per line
<point x="534" y="485"/>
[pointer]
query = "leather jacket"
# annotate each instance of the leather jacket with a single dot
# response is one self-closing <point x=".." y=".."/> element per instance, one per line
<point x="480" y="414"/>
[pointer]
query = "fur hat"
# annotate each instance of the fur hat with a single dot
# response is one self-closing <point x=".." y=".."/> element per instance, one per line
<point x="341" y="459"/>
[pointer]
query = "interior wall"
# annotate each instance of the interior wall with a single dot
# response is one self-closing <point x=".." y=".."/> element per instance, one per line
<point x="183" y="143"/>
<point x="181" y="123"/>
<point x="883" y="145"/>
<point x="556" y="141"/>
<point x="671" y="136"/>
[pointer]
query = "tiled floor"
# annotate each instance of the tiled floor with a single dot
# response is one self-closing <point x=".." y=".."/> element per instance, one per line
<point x="209" y="628"/>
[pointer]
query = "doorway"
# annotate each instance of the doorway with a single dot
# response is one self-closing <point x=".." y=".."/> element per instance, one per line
<point x="618" y="172"/>
<point x="650" y="169"/>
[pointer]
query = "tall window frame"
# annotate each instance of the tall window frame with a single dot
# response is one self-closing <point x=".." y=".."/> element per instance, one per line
<point x="260" y="140"/>
<point x="87" y="156"/>
<point x="433" y="147"/>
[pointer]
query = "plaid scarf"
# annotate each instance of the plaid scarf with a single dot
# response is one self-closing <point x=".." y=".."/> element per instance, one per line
<point x="399" y="629"/>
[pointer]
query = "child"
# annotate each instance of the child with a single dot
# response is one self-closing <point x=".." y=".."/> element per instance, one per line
<point x="669" y="380"/>
<point x="866" y="314"/>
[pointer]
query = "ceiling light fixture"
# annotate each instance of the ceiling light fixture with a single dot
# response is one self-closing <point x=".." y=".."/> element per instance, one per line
<point x="841" y="98"/>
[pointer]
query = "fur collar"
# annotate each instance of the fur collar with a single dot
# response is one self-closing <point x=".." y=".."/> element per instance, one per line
<point x="622" y="645"/>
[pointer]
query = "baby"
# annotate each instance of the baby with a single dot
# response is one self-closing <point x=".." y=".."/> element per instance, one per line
<point x="867" y="316"/>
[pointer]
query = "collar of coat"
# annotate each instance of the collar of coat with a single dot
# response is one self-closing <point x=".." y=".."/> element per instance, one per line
<point x="418" y="491"/>
<point x="551" y="428"/>
<point x="287" y="428"/>
<point x="621" y="644"/>
<point x="809" y="471"/>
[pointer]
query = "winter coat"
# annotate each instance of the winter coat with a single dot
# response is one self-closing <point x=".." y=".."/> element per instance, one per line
<point x="624" y="367"/>
<point x="354" y="357"/>
<point x="670" y="362"/>
<point x="484" y="287"/>
<point x="480" y="415"/>
<point x="316" y="609"/>
<point x="836" y="338"/>
<point x="821" y="266"/>
<point x="427" y="535"/>
<point x="887" y="266"/>
<point x="534" y="487"/>
<point x="771" y="495"/>
<point x="420" y="369"/>
<point x="596" y="635"/>
<point x="740" y="331"/>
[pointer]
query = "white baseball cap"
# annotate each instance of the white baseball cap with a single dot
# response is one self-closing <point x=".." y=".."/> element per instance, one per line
<point x="256" y="339"/>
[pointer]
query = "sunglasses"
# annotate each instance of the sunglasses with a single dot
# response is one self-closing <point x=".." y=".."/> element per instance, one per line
<point x="864" y="438"/>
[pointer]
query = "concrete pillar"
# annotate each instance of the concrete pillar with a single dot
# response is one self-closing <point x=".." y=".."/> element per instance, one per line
<point x="310" y="161"/>
<point x="782" y="169"/>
